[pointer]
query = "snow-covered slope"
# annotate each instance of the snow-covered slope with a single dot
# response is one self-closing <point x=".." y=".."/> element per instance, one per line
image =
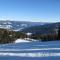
<point x="21" y="40"/>
<point x="25" y="40"/>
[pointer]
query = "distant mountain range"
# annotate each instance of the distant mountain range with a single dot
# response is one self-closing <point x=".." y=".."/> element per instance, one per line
<point x="31" y="27"/>
<point x="43" y="29"/>
<point x="18" y="25"/>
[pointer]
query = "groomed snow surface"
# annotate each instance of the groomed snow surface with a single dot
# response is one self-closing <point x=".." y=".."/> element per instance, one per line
<point x="30" y="54"/>
<point x="50" y="49"/>
<point x="24" y="40"/>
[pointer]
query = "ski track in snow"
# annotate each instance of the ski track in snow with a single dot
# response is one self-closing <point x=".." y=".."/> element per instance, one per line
<point x="5" y="52"/>
<point x="30" y="54"/>
<point x="29" y="49"/>
<point x="43" y="50"/>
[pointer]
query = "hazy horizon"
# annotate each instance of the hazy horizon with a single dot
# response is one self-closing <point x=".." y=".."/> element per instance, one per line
<point x="32" y="21"/>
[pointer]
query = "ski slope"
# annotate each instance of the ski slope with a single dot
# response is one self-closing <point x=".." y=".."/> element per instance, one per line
<point x="31" y="50"/>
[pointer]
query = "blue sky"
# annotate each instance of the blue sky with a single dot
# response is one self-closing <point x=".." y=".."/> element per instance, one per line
<point x="30" y="10"/>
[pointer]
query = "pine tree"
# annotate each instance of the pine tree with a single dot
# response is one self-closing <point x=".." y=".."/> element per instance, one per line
<point x="59" y="32"/>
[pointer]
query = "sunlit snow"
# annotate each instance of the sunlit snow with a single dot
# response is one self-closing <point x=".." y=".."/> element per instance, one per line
<point x="21" y="40"/>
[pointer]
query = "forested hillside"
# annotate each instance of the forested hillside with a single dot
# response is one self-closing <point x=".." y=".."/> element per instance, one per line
<point x="8" y="36"/>
<point x="47" y="32"/>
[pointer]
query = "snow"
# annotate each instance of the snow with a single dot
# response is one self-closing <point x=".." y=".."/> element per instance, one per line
<point x="30" y="54"/>
<point x="35" y="50"/>
<point x="5" y="26"/>
<point x="28" y="33"/>
<point x="23" y="25"/>
<point x="29" y="39"/>
<point x="31" y="49"/>
<point x="18" y="29"/>
<point x="21" y="40"/>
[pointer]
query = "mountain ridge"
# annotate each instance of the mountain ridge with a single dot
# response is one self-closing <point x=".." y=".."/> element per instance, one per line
<point x="18" y="25"/>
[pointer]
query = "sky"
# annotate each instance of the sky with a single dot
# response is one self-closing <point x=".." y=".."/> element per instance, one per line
<point x="30" y="10"/>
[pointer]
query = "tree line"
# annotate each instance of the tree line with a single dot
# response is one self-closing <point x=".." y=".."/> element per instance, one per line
<point x="9" y="36"/>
